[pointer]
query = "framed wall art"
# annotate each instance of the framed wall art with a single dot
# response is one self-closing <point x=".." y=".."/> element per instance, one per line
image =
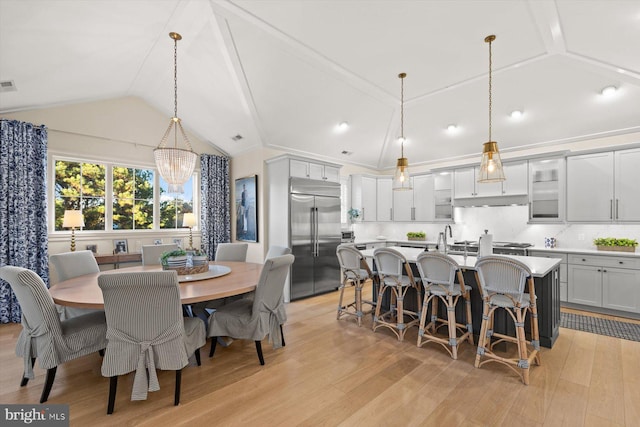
<point x="246" y="208"/>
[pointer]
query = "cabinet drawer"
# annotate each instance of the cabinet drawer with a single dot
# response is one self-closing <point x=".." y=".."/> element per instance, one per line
<point x="605" y="261"/>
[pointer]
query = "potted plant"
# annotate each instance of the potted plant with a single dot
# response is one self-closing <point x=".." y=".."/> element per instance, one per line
<point x="174" y="259"/>
<point x="416" y="235"/>
<point x="199" y="257"/>
<point x="615" y="244"/>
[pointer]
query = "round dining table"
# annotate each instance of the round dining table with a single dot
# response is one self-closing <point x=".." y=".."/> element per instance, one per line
<point x="84" y="292"/>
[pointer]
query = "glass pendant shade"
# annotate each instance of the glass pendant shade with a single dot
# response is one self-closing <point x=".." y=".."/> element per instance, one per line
<point x="491" y="164"/>
<point x="401" y="178"/>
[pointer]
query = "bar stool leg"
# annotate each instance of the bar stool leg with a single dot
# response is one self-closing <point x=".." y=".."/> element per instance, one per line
<point x="400" y="313"/>
<point x="451" y="320"/>
<point x="378" y="305"/>
<point x="358" y="297"/>
<point x="483" y="333"/>
<point x="423" y="316"/>
<point x="523" y="363"/>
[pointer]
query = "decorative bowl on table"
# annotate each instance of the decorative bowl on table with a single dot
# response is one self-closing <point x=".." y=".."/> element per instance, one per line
<point x="188" y="271"/>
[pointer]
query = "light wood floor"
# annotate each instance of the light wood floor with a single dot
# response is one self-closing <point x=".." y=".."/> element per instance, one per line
<point x="335" y="373"/>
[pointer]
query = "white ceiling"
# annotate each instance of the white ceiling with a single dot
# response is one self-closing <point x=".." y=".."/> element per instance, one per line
<point x="284" y="73"/>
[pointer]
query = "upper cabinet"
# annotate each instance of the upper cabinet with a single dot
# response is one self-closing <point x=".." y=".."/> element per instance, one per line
<point x="363" y="196"/>
<point x="546" y="197"/>
<point x="602" y="187"/>
<point x="517" y="181"/>
<point x="312" y="170"/>
<point x="442" y="196"/>
<point x="466" y="185"/>
<point x="384" y="198"/>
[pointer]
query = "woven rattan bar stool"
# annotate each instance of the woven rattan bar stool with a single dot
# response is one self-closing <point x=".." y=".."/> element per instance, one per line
<point x="356" y="273"/>
<point x="438" y="273"/>
<point x="390" y="265"/>
<point x="507" y="284"/>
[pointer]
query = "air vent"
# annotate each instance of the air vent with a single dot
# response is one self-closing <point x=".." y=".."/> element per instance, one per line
<point x="7" y="86"/>
<point x="347" y="153"/>
<point x="237" y="138"/>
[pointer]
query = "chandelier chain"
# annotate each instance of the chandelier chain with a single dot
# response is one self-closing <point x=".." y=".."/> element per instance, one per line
<point x="490" y="104"/>
<point x="175" y="78"/>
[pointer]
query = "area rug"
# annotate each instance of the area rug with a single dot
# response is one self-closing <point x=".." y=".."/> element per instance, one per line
<point x="595" y="325"/>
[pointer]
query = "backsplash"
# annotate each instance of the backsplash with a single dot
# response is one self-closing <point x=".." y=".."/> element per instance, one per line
<point x="507" y="224"/>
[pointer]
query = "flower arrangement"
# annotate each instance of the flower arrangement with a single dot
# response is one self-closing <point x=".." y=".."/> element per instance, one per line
<point x="353" y="214"/>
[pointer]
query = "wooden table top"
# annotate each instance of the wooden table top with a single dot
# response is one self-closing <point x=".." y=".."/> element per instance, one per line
<point x="83" y="291"/>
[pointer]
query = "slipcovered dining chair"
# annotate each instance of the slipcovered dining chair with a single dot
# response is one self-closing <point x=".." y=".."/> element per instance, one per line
<point x="281" y="312"/>
<point x="507" y="284"/>
<point x="255" y="319"/>
<point x="355" y="272"/>
<point x="390" y="265"/>
<point x="232" y="252"/>
<point x="146" y="331"/>
<point x="44" y="336"/>
<point x="68" y="265"/>
<point x="438" y="273"/>
<point x="151" y="253"/>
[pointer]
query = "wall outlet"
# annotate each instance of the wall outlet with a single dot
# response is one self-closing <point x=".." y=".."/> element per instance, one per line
<point x="581" y="236"/>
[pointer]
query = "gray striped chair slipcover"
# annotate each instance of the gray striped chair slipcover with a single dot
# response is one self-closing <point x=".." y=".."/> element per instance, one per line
<point x="44" y="336"/>
<point x="146" y="330"/>
<point x="255" y="319"/>
<point x="68" y="265"/>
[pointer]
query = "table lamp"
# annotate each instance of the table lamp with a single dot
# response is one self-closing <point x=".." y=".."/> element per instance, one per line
<point x="189" y="220"/>
<point x="73" y="219"/>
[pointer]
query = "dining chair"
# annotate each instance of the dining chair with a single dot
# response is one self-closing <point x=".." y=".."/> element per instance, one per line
<point x="68" y="265"/>
<point x="255" y="319"/>
<point x="507" y="284"/>
<point x="281" y="312"/>
<point x="355" y="272"/>
<point x="151" y="253"/>
<point x="396" y="277"/>
<point x="232" y="252"/>
<point x="44" y="336"/>
<point x="146" y="331"/>
<point x="438" y="273"/>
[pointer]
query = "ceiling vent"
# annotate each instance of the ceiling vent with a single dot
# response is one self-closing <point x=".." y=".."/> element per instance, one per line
<point x="347" y="153"/>
<point x="237" y="138"/>
<point x="7" y="86"/>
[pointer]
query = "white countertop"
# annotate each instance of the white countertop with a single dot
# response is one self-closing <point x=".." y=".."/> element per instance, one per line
<point x="586" y="252"/>
<point x="539" y="266"/>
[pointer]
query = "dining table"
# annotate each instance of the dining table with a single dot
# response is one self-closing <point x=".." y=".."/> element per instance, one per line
<point x="223" y="279"/>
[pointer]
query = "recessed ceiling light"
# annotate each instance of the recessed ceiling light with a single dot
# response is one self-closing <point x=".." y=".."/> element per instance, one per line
<point x="452" y="128"/>
<point x="516" y="114"/>
<point x="343" y="126"/>
<point x="608" y="91"/>
<point x="621" y="71"/>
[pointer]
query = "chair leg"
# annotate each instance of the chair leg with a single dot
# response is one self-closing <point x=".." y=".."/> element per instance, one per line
<point x="483" y="332"/>
<point x="176" y="400"/>
<point x="451" y="321"/>
<point x="342" y="286"/>
<point x="197" y="354"/>
<point x="358" y="298"/>
<point x="113" y="386"/>
<point x="51" y="375"/>
<point x="25" y="380"/>
<point x="259" y="350"/>
<point x="282" y="335"/>
<point x="214" y="341"/>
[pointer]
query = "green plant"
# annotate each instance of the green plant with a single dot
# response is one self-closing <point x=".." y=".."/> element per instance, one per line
<point x="353" y="214"/>
<point x="612" y="241"/>
<point x="416" y="234"/>
<point x="165" y="255"/>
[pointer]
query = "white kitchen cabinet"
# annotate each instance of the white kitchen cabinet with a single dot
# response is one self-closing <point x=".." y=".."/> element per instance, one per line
<point x="384" y="199"/>
<point x="467" y="185"/>
<point x="464" y="183"/>
<point x="424" y="198"/>
<point x="627" y="178"/>
<point x="303" y="169"/>
<point x="546" y="195"/>
<point x="363" y="196"/>
<point x="585" y="285"/>
<point x="442" y="194"/>
<point x="517" y="179"/>
<point x="590" y="187"/>
<point x="403" y="203"/>
<point x="621" y="289"/>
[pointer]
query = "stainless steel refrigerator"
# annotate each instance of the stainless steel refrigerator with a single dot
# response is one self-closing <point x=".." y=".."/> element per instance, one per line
<point x="315" y="235"/>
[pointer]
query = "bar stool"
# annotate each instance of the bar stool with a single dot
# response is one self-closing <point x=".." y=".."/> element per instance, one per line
<point x="438" y="273"/>
<point x="502" y="282"/>
<point x="356" y="273"/>
<point x="390" y="265"/>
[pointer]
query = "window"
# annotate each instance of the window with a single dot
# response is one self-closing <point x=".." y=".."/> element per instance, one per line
<point x="80" y="186"/>
<point x="118" y="197"/>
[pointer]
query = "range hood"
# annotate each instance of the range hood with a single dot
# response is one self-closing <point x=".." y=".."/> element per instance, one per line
<point x="466" y="202"/>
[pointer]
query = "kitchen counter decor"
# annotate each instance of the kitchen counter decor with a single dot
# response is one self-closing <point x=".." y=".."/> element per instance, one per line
<point x="614" y="244"/>
<point x="416" y="235"/>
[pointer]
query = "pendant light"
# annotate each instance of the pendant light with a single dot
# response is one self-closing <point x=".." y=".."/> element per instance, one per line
<point x="491" y="164"/>
<point x="401" y="179"/>
<point x="175" y="164"/>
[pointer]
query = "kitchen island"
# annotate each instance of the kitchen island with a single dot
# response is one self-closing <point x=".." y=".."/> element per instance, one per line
<point x="546" y="279"/>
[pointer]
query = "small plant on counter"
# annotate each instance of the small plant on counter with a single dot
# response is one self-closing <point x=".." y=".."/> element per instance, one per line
<point x="416" y="235"/>
<point x="612" y="241"/>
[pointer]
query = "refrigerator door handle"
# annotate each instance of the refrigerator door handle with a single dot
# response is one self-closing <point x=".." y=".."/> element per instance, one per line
<point x="315" y="238"/>
<point x="313" y="232"/>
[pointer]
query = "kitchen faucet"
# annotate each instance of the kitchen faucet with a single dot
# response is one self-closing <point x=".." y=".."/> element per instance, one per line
<point x="444" y="236"/>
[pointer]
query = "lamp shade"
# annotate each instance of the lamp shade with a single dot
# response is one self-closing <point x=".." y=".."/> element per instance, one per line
<point x="189" y="220"/>
<point x="491" y="164"/>
<point x="73" y="219"/>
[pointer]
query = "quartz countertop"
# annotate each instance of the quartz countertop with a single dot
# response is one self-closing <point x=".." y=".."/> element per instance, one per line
<point x="586" y="252"/>
<point x="539" y="266"/>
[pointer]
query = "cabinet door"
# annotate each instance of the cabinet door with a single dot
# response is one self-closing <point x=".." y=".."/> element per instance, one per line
<point x="331" y="174"/>
<point x="546" y="196"/>
<point x="403" y="204"/>
<point x="423" y="198"/>
<point x="384" y="197"/>
<point x="464" y="183"/>
<point x="316" y="171"/>
<point x="590" y="187"/>
<point x="486" y="189"/>
<point x="627" y="203"/>
<point x="621" y="289"/>
<point x="368" y="199"/>
<point x="585" y="285"/>
<point x="442" y="194"/>
<point x="516" y="182"/>
<point x="298" y="168"/>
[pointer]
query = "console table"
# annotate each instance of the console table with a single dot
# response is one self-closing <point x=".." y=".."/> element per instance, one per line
<point x="117" y="259"/>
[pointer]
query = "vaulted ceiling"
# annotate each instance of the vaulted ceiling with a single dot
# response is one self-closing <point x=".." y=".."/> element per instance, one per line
<point x="283" y="74"/>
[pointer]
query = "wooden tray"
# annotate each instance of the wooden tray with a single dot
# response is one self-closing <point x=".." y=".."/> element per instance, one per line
<point x="617" y="248"/>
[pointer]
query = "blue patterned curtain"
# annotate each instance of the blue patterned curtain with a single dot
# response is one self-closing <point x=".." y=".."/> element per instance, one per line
<point x="23" y="206"/>
<point x="215" y="214"/>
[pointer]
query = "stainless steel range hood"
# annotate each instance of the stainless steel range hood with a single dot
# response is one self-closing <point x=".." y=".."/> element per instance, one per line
<point x="492" y="201"/>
